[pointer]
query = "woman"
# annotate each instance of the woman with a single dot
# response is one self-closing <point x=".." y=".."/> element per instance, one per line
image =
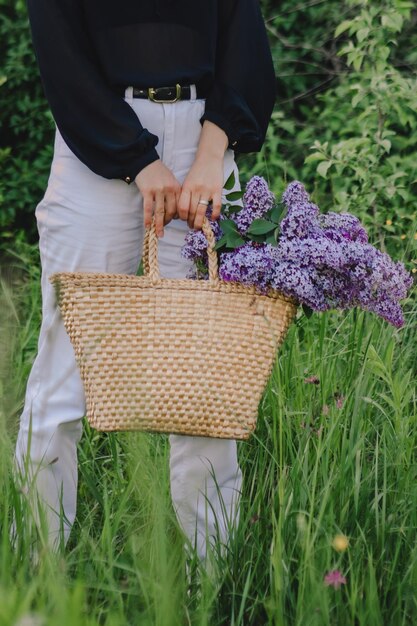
<point x="150" y="99"/>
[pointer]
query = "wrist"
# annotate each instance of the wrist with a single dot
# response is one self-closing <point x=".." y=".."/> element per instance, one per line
<point x="213" y="141"/>
<point x="139" y="175"/>
<point x="140" y="164"/>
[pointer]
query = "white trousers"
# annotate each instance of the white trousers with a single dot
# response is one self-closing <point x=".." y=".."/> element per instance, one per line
<point x="89" y="223"/>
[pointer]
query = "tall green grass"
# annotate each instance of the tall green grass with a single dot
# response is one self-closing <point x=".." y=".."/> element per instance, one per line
<point x="334" y="453"/>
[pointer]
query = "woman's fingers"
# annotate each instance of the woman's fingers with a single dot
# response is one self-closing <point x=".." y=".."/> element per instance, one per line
<point x="195" y="197"/>
<point x="217" y="205"/>
<point x="203" y="182"/>
<point x="177" y="200"/>
<point x="160" y="189"/>
<point x="164" y="196"/>
<point x="159" y="213"/>
<point x="170" y="207"/>
<point x="200" y="207"/>
<point x="184" y="204"/>
<point x="148" y="203"/>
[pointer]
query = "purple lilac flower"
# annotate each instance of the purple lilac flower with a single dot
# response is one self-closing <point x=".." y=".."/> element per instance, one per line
<point x="344" y="268"/>
<point x="387" y="309"/>
<point x="375" y="286"/>
<point x="324" y="261"/>
<point x="317" y="252"/>
<point x="389" y="276"/>
<point x="195" y="245"/>
<point x="301" y="283"/>
<point x="301" y="219"/>
<point x="295" y="193"/>
<point x="250" y="264"/>
<point x="339" y="226"/>
<point x="257" y="201"/>
<point x="195" y="242"/>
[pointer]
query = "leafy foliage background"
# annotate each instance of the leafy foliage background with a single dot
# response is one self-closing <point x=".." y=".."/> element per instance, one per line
<point x="345" y="121"/>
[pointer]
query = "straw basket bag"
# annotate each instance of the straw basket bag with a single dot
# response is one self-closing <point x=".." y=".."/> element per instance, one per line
<point x="182" y="356"/>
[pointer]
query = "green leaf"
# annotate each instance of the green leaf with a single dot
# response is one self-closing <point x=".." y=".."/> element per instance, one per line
<point x="357" y="61"/>
<point x="272" y="239"/>
<point x="235" y="195"/>
<point x="234" y="240"/>
<point x="230" y="182"/>
<point x="228" y="226"/>
<point x="261" y="227"/>
<point x="357" y="98"/>
<point x="343" y="27"/>
<point x="392" y="21"/>
<point x="386" y="144"/>
<point x="316" y="156"/>
<point x="257" y="238"/>
<point x="231" y="240"/>
<point x="234" y="208"/>
<point x="362" y="34"/>
<point x="276" y="213"/>
<point x="222" y="242"/>
<point x="323" y="168"/>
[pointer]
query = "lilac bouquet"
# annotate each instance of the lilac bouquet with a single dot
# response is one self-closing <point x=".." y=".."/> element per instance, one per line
<point x="324" y="261"/>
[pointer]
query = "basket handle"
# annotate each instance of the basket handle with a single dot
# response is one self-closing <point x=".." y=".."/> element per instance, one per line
<point x="150" y="252"/>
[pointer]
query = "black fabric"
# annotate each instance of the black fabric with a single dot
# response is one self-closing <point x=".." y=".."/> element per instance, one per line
<point x="90" y="50"/>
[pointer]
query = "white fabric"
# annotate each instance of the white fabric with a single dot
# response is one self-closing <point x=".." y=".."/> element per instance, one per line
<point x="89" y="223"/>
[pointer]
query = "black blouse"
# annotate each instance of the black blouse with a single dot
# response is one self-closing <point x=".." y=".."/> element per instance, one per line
<point x="90" y="50"/>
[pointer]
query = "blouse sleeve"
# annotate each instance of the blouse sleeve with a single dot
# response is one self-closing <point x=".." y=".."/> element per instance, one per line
<point x="97" y="124"/>
<point x="244" y="90"/>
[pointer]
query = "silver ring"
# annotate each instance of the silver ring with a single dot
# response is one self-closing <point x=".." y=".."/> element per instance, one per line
<point x="206" y="202"/>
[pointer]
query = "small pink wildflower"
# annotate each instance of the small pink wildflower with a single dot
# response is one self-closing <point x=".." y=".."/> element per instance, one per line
<point x="339" y="401"/>
<point x="325" y="409"/>
<point x="314" y="380"/>
<point x="334" y="579"/>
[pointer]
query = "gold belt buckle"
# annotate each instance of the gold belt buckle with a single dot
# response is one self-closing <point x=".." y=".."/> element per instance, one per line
<point x="152" y="91"/>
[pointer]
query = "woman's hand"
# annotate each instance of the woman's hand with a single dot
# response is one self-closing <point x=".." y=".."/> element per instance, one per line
<point x="205" y="178"/>
<point x="161" y="189"/>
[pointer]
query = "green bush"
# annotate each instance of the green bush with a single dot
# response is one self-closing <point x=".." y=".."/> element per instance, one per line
<point x="26" y="124"/>
<point x="345" y="120"/>
<point x="366" y="150"/>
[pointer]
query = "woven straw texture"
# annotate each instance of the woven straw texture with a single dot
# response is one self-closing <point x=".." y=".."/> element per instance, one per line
<point x="182" y="356"/>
